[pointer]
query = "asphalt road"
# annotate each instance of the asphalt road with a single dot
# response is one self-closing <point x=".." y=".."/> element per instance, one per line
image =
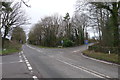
<point x="13" y="67"/>
<point x="34" y="62"/>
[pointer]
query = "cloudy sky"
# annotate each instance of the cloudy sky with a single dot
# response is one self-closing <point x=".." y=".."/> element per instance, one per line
<point x="42" y="8"/>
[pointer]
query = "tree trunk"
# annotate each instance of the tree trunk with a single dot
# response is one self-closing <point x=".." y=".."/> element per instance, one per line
<point x="116" y="26"/>
<point x="116" y="32"/>
<point x="0" y="40"/>
<point x="5" y="34"/>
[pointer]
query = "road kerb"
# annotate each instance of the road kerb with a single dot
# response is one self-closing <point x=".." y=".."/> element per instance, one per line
<point x="99" y="60"/>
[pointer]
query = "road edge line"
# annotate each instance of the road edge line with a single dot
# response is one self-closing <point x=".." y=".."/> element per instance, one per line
<point x="110" y="63"/>
<point x="85" y="70"/>
<point x="29" y="66"/>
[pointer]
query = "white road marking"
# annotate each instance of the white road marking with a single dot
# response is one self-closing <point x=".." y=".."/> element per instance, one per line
<point x="76" y="51"/>
<point x="80" y="67"/>
<point x="86" y="70"/>
<point x="30" y="47"/>
<point x="35" y="78"/>
<point x="28" y="65"/>
<point x="26" y="60"/>
<point x="35" y="49"/>
<point x="66" y="58"/>
<point x="38" y="50"/>
<point x="11" y="62"/>
<point x="20" y="57"/>
<point x="20" y="60"/>
<point x="21" y="51"/>
<point x="24" y="57"/>
<point x="30" y="68"/>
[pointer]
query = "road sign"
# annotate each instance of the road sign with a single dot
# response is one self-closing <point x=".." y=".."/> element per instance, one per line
<point x="62" y="41"/>
<point x="86" y="41"/>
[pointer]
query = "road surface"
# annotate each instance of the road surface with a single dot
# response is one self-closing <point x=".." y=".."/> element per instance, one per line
<point x="33" y="62"/>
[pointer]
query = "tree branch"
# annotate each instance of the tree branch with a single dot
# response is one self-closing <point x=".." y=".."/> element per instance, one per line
<point x="25" y="3"/>
<point x="118" y="4"/>
<point x="101" y="5"/>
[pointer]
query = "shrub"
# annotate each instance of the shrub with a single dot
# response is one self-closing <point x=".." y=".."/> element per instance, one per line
<point x="67" y="43"/>
<point x="99" y="48"/>
<point x="12" y="45"/>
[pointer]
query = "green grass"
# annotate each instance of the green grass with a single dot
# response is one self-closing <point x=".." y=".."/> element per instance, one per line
<point x="0" y="52"/>
<point x="11" y="47"/>
<point x="9" y="51"/>
<point x="102" y="56"/>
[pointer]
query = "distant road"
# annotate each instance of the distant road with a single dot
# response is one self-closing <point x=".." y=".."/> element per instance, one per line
<point x="62" y="63"/>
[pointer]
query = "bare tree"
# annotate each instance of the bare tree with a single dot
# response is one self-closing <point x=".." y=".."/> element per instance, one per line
<point x="46" y="31"/>
<point x="18" y="35"/>
<point x="113" y="8"/>
<point x="25" y="3"/>
<point x="80" y="23"/>
<point x="104" y="11"/>
<point x="13" y="16"/>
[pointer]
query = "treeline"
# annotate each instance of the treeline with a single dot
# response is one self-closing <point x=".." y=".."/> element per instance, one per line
<point x="106" y="18"/>
<point x="56" y="30"/>
<point x="18" y="35"/>
<point x="102" y="18"/>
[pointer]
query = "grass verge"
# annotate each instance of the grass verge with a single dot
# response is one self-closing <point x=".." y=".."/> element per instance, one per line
<point x="9" y="51"/>
<point x="102" y="56"/>
<point x="10" y="47"/>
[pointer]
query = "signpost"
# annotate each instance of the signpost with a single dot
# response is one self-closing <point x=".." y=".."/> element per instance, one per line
<point x="86" y="42"/>
<point x="62" y="42"/>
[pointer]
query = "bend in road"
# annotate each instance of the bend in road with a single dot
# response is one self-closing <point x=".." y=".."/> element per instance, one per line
<point x="66" y="63"/>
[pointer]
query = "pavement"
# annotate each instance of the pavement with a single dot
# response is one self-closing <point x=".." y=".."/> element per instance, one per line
<point x="36" y="63"/>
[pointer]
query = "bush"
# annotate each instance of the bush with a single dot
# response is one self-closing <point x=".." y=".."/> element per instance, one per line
<point x="67" y="43"/>
<point x="12" y="45"/>
<point x="99" y="48"/>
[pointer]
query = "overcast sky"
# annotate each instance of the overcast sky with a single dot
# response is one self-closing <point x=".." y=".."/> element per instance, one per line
<point x="41" y="8"/>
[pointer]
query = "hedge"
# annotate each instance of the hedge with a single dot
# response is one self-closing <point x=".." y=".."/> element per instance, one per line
<point x="67" y="43"/>
<point x="103" y="49"/>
